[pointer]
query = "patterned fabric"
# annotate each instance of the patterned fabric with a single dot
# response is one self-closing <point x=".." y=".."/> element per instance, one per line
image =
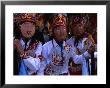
<point x="57" y="59"/>
<point x="30" y="64"/>
<point x="25" y="17"/>
<point x="79" y="54"/>
<point x="58" y="20"/>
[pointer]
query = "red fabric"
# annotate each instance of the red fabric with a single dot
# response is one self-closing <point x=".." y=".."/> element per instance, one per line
<point x="75" y="69"/>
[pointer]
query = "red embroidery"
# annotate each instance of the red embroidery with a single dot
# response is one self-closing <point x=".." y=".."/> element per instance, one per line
<point x="57" y="60"/>
<point x="41" y="57"/>
<point x="78" y="51"/>
<point x="31" y="47"/>
<point x="48" y="70"/>
<point x="75" y="69"/>
<point x="67" y="48"/>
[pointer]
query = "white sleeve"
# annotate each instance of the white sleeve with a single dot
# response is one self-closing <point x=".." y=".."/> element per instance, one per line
<point x="86" y="55"/>
<point x="78" y="59"/>
<point x="42" y="63"/>
<point x="38" y="50"/>
<point x="41" y="69"/>
<point x="45" y="54"/>
<point x="32" y="63"/>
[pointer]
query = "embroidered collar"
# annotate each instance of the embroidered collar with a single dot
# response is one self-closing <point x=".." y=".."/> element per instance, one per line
<point x="23" y="43"/>
<point x="56" y="45"/>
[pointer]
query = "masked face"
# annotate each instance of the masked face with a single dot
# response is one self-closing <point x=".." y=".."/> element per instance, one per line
<point x="78" y="29"/>
<point x="60" y="33"/>
<point x="27" y="29"/>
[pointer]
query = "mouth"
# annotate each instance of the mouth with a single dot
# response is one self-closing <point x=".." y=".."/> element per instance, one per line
<point x="28" y="32"/>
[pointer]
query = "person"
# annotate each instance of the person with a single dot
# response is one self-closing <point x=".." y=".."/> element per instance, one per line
<point x="26" y="48"/>
<point x="40" y="25"/>
<point x="55" y="52"/>
<point x="46" y="35"/>
<point x="82" y="45"/>
<point x="92" y="30"/>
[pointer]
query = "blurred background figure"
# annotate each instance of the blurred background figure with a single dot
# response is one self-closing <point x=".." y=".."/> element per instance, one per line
<point x="92" y="30"/>
<point x="40" y="24"/>
<point x="46" y="35"/>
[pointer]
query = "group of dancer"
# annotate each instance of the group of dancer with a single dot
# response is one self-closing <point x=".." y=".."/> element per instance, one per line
<point x="70" y="48"/>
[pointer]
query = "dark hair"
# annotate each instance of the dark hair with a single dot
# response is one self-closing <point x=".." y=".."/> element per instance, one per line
<point x="16" y="29"/>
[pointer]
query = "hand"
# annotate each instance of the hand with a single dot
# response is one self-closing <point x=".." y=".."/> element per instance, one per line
<point x="18" y="46"/>
<point x="41" y="58"/>
<point x="24" y="55"/>
<point x="31" y="52"/>
<point x="91" y="49"/>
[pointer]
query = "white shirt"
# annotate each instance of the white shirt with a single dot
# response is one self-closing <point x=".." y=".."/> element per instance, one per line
<point x="34" y="64"/>
<point x="79" y="59"/>
<point x="51" y="49"/>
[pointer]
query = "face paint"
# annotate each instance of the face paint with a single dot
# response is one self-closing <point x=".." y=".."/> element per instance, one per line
<point x="79" y="23"/>
<point x="27" y="29"/>
<point x="60" y="33"/>
<point x="78" y="29"/>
